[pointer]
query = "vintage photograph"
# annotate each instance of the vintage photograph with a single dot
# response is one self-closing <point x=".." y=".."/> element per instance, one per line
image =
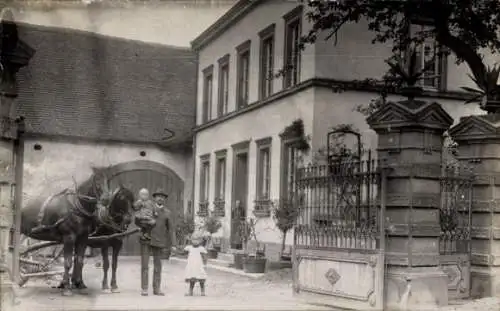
<point x="249" y="155"/>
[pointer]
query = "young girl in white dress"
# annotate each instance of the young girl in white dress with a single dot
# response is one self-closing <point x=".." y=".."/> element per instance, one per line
<point x="196" y="262"/>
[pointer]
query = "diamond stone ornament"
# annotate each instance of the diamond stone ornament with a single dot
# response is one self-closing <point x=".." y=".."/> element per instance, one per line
<point x="332" y="276"/>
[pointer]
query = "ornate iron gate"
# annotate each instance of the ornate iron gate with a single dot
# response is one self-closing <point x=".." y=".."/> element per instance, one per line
<point x="339" y="237"/>
<point x="455" y="219"/>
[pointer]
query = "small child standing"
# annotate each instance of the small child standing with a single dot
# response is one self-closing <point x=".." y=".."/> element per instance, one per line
<point x="145" y="216"/>
<point x="196" y="262"/>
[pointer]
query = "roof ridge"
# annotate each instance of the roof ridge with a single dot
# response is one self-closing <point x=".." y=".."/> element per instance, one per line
<point x="69" y="30"/>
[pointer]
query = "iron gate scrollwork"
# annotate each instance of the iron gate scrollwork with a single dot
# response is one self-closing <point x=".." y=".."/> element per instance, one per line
<point x="455" y="215"/>
<point x="338" y="231"/>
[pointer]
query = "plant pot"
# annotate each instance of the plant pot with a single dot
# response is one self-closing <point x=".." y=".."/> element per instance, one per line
<point x="254" y="264"/>
<point x="238" y="261"/>
<point x="212" y="253"/>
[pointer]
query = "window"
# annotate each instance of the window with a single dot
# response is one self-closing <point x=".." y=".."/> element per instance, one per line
<point x="290" y="155"/>
<point x="207" y="94"/>
<point x="222" y="107"/>
<point x="204" y="178"/>
<point x="430" y="60"/>
<point x="243" y="74"/>
<point x="220" y="177"/>
<point x="292" y="47"/>
<point x="266" y="61"/>
<point x="264" y="169"/>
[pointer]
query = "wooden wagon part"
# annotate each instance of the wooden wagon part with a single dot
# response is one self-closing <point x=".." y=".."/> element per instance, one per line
<point x="42" y="269"/>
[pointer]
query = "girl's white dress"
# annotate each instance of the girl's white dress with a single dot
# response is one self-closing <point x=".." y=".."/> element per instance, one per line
<point x="195" y="269"/>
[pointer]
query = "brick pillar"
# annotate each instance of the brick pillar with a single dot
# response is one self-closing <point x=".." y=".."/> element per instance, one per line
<point x="478" y="139"/>
<point x="410" y="144"/>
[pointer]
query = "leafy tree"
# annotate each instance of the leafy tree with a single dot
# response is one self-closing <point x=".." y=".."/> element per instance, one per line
<point x="467" y="28"/>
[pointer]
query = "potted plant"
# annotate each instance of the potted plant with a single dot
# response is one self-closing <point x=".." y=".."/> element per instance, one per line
<point x="254" y="262"/>
<point x="183" y="231"/>
<point x="244" y="236"/>
<point x="285" y="213"/>
<point x="212" y="224"/>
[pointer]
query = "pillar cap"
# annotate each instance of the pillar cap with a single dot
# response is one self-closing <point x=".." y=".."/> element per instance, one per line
<point x="410" y="113"/>
<point x="477" y="127"/>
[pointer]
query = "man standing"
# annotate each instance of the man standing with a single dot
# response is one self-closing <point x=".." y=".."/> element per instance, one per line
<point x="162" y="237"/>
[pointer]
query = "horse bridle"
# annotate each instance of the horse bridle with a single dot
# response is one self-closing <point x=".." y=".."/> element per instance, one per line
<point x="106" y="218"/>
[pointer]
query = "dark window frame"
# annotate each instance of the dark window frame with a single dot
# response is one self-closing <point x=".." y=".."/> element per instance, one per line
<point x="207" y="97"/>
<point x="441" y="58"/>
<point x="267" y="36"/>
<point x="223" y="88"/>
<point x="220" y="179"/>
<point x="264" y="144"/>
<point x="204" y="191"/>
<point x="292" y="63"/>
<point x="243" y="50"/>
<point x="288" y="145"/>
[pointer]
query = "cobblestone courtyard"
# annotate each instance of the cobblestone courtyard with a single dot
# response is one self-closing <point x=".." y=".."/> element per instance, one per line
<point x="224" y="291"/>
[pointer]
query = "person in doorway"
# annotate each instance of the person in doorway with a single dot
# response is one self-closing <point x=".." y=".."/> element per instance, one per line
<point x="162" y="239"/>
<point x="196" y="262"/>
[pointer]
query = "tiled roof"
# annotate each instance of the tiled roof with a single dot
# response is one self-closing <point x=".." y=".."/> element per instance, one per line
<point x="82" y="84"/>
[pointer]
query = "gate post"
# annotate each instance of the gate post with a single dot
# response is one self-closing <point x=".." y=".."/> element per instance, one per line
<point x="478" y="139"/>
<point x="14" y="54"/>
<point x="410" y="141"/>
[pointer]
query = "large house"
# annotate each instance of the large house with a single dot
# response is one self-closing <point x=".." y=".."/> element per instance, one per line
<point x="96" y="101"/>
<point x="242" y="162"/>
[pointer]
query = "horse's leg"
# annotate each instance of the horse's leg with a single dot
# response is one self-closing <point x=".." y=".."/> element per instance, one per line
<point x="69" y="244"/>
<point x="80" y="247"/>
<point x="117" y="246"/>
<point x="105" y="267"/>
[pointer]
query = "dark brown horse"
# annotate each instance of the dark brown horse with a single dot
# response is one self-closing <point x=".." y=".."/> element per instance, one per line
<point x="112" y="218"/>
<point x="66" y="217"/>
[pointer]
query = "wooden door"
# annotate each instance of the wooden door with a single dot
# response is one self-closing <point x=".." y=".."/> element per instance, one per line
<point x="152" y="180"/>
<point x="239" y="198"/>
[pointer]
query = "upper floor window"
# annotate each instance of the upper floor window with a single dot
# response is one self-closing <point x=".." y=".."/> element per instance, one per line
<point x="243" y="71"/>
<point x="430" y="60"/>
<point x="266" y="61"/>
<point x="206" y="114"/>
<point x="222" y="107"/>
<point x="293" y="21"/>
<point x="264" y="169"/>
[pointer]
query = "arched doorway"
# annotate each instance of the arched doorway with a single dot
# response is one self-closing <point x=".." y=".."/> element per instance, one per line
<point x="151" y="175"/>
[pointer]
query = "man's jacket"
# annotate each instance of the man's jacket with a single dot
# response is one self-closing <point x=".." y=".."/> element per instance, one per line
<point x="163" y="231"/>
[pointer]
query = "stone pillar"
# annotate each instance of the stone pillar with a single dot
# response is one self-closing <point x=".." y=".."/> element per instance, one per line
<point x="14" y="54"/>
<point x="478" y="139"/>
<point x="410" y="145"/>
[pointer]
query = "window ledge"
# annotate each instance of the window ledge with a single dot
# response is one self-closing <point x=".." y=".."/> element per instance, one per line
<point x="203" y="209"/>
<point x="219" y="208"/>
<point x="262" y="208"/>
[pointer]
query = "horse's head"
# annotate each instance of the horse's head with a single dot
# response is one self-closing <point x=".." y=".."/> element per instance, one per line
<point x="120" y="207"/>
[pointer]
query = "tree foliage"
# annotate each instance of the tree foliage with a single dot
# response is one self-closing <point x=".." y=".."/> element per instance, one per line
<point x="468" y="28"/>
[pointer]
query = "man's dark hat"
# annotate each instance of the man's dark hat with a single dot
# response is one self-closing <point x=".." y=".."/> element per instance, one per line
<point x="160" y="192"/>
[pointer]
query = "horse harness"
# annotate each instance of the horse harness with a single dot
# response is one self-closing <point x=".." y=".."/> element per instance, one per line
<point x="77" y="207"/>
<point x="106" y="219"/>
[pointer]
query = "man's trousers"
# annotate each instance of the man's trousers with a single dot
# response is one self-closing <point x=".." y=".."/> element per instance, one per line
<point x="157" y="253"/>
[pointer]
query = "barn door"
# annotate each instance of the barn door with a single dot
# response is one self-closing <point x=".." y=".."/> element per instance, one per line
<point x="152" y="180"/>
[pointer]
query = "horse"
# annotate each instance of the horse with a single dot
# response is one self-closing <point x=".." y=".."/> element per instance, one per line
<point x="112" y="220"/>
<point x="66" y="217"/>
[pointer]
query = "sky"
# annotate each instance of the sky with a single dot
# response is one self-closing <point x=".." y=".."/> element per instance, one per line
<point x="171" y="22"/>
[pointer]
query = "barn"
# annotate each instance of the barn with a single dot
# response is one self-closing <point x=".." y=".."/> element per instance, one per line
<point x="91" y="100"/>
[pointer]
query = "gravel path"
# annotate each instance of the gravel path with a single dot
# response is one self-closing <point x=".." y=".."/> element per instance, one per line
<point x="225" y="291"/>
